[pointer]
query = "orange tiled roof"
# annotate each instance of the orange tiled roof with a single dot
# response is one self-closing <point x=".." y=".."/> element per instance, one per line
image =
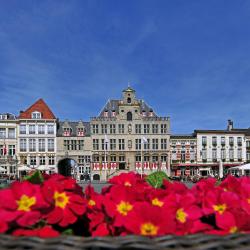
<point x="39" y="106"/>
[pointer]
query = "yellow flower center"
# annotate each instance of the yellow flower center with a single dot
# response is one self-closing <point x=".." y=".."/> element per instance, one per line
<point x="248" y="200"/>
<point x="25" y="203"/>
<point x="124" y="207"/>
<point x="127" y="184"/>
<point x="149" y="229"/>
<point x="233" y="230"/>
<point x="91" y="203"/>
<point x="61" y="199"/>
<point x="181" y="216"/>
<point x="220" y="208"/>
<point x="157" y="202"/>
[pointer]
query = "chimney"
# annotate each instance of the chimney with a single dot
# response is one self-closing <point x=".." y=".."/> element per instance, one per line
<point x="230" y="125"/>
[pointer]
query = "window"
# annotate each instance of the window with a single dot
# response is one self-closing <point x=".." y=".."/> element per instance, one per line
<point x="163" y="158"/>
<point x="51" y="160"/>
<point x="41" y="129"/>
<point x="50" y="129"/>
<point x="147" y="145"/>
<point x="138" y="144"/>
<point x="88" y="158"/>
<point x="32" y="160"/>
<point x="32" y="145"/>
<point x="81" y="159"/>
<point x="80" y="144"/>
<point x="121" y="128"/>
<point x="121" y="144"/>
<point x="231" y="154"/>
<point x="183" y="155"/>
<point x="164" y="128"/>
<point x="95" y="128"/>
<point x="214" y="140"/>
<point x="248" y="156"/>
<point x="112" y="144"/>
<point x="32" y="129"/>
<point x="128" y="100"/>
<point x="112" y="128"/>
<point x="146" y="158"/>
<point x="223" y="141"/>
<point x="12" y="150"/>
<point x="248" y="144"/>
<point x="51" y="146"/>
<point x="2" y="133"/>
<point x="239" y="153"/>
<point x="41" y="145"/>
<point x="192" y="154"/>
<point x="163" y="144"/>
<point x="103" y="144"/>
<point x="204" y="140"/>
<point x="96" y="158"/>
<point x="154" y="144"/>
<point x="80" y="131"/>
<point x="239" y="141"/>
<point x="23" y="145"/>
<point x="155" y="158"/>
<point x="146" y="128"/>
<point x="137" y="158"/>
<point x="36" y="115"/>
<point x="214" y="154"/>
<point x="155" y="128"/>
<point x="223" y="154"/>
<point x="121" y="158"/>
<point x="22" y="129"/>
<point x="67" y="131"/>
<point x="42" y="160"/>
<point x="231" y="140"/>
<point x="11" y="133"/>
<point x="129" y="116"/>
<point x="95" y="144"/>
<point x="113" y="158"/>
<point x="104" y="129"/>
<point x="204" y="154"/>
<point x="138" y="128"/>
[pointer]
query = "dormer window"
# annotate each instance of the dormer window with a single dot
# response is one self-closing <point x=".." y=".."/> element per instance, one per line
<point x="151" y="113"/>
<point x="67" y="131"/>
<point x="80" y="131"/>
<point x="36" y="115"/>
<point x="129" y="100"/>
<point x="143" y="113"/>
<point x="129" y="116"/>
<point x="113" y="113"/>
<point x="106" y="113"/>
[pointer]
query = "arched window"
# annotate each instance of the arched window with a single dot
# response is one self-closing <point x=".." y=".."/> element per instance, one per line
<point x="129" y="116"/>
<point x="129" y="100"/>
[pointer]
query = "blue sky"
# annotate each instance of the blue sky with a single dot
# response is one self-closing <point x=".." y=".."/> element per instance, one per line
<point x="189" y="60"/>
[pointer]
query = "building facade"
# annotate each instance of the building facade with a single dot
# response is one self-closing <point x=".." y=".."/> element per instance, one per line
<point x="36" y="132"/>
<point x="74" y="143"/>
<point x="8" y="144"/>
<point x="127" y="135"/>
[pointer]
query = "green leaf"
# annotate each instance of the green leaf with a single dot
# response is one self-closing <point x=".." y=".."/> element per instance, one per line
<point x="68" y="231"/>
<point x="35" y="178"/>
<point x="156" y="179"/>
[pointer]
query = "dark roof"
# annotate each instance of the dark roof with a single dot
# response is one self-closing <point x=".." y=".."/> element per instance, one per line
<point x="73" y="126"/>
<point x="113" y="105"/>
<point x="39" y="106"/>
<point x="223" y="131"/>
<point x="183" y="136"/>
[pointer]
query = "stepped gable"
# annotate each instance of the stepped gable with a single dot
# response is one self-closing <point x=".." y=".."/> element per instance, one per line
<point x="39" y="106"/>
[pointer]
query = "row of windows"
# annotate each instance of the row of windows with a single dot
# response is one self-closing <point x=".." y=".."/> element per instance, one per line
<point x="7" y="150"/>
<point x="7" y="133"/>
<point x="37" y="129"/>
<point x="222" y="140"/>
<point x="120" y="129"/>
<point x="73" y="145"/>
<point x="68" y="131"/>
<point x="37" y="145"/>
<point x="111" y="144"/>
<point x="223" y="154"/>
<point x="38" y="160"/>
<point x="121" y="158"/>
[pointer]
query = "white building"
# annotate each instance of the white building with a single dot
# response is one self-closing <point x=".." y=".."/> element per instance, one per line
<point x="36" y="139"/>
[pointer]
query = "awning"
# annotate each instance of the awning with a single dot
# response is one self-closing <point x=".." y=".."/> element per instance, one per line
<point x="24" y="168"/>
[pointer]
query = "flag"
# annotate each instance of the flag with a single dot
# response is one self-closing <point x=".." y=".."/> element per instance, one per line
<point x="144" y="140"/>
<point x="4" y="149"/>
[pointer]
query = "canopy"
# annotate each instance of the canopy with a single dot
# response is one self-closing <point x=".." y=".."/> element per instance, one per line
<point x="24" y="168"/>
<point x="241" y="167"/>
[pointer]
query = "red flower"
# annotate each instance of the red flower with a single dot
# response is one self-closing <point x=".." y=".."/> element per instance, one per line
<point x="148" y="220"/>
<point x="94" y="200"/>
<point x="67" y="204"/>
<point x="127" y="179"/>
<point x="23" y="203"/>
<point x="98" y="225"/>
<point x="45" y="232"/>
<point x="218" y="201"/>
